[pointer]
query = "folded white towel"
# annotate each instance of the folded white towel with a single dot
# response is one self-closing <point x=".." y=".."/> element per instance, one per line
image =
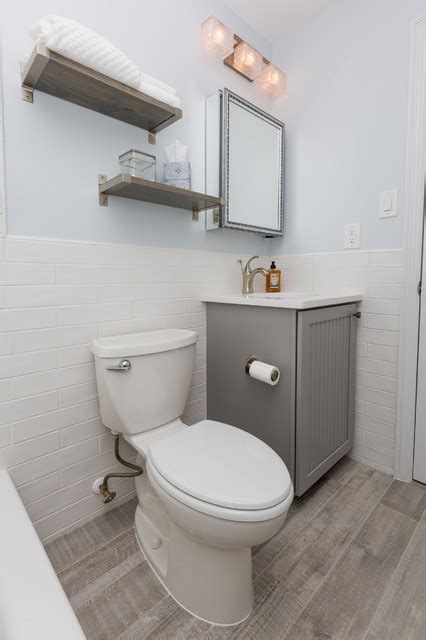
<point x="158" y="83"/>
<point x="154" y="91"/>
<point x="74" y="41"/>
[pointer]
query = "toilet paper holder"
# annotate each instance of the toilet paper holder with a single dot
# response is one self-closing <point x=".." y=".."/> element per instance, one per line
<point x="250" y="361"/>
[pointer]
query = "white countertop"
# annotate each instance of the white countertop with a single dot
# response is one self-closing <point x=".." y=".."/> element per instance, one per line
<point x="287" y="300"/>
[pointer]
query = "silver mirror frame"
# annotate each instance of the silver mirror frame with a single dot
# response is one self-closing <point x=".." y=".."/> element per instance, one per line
<point x="228" y="97"/>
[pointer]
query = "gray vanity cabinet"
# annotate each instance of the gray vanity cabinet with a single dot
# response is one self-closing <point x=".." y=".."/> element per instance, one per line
<point x="307" y="417"/>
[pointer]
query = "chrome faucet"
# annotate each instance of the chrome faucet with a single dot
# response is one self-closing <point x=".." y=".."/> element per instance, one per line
<point x="248" y="275"/>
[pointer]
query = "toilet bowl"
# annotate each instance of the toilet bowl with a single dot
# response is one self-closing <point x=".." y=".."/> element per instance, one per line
<point x="209" y="492"/>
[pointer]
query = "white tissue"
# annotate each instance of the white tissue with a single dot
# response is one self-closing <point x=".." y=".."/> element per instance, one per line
<point x="264" y="372"/>
<point x="176" y="152"/>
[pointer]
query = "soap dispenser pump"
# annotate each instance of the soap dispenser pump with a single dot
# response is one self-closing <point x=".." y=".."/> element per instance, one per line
<point x="273" y="279"/>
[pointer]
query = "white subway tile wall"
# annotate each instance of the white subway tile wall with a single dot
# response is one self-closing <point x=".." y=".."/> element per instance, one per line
<point x="2" y="167"/>
<point x="377" y="275"/>
<point x="56" y="296"/>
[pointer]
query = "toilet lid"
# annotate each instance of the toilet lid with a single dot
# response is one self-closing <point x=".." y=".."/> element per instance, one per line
<point x="222" y="465"/>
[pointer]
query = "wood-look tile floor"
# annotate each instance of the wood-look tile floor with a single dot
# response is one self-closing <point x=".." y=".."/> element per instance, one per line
<point x="349" y="563"/>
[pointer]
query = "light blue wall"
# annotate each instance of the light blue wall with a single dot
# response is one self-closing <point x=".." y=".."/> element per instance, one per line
<point x="346" y="123"/>
<point x="55" y="150"/>
<point x="345" y="115"/>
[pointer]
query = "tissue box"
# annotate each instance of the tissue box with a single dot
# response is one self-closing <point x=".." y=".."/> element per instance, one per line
<point x="178" y="174"/>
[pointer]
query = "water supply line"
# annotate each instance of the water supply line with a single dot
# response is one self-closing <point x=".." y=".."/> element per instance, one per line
<point x="138" y="471"/>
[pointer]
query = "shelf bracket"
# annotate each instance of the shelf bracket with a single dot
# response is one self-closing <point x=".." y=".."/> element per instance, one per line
<point x="103" y="197"/>
<point x="152" y="137"/>
<point x="27" y="93"/>
<point x="26" y="90"/>
<point x="195" y="215"/>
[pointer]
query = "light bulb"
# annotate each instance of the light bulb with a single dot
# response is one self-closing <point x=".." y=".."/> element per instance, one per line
<point x="247" y="60"/>
<point x="216" y="37"/>
<point x="272" y="80"/>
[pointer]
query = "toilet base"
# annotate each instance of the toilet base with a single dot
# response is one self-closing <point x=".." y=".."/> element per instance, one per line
<point x="212" y="584"/>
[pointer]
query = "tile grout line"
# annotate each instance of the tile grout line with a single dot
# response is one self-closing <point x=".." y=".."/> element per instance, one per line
<point x="67" y="506"/>
<point x="400" y="512"/>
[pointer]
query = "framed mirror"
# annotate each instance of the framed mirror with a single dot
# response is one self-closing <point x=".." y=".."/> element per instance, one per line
<point x="252" y="167"/>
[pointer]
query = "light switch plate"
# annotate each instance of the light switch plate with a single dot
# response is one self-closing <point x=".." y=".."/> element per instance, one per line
<point x="352" y="236"/>
<point x="388" y="203"/>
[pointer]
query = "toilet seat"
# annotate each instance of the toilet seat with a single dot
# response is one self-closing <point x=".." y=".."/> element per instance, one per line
<point x="223" y="471"/>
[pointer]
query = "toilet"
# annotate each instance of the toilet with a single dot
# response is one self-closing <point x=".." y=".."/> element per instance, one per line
<point x="209" y="492"/>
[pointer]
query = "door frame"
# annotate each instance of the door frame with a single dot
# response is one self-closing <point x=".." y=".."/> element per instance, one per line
<point x="3" y="209"/>
<point x="412" y="255"/>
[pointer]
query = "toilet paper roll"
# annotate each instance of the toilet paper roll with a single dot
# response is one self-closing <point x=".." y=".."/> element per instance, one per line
<point x="264" y="372"/>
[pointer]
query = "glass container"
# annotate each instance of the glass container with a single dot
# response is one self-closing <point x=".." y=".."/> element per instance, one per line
<point x="138" y="164"/>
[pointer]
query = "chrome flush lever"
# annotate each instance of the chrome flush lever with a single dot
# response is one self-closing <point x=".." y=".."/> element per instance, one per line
<point x="124" y="365"/>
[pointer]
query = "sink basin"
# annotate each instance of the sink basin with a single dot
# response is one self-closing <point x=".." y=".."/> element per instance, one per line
<point x="288" y="295"/>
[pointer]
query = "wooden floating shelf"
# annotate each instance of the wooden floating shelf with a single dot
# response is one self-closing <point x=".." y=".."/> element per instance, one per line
<point x="127" y="186"/>
<point x="52" y="73"/>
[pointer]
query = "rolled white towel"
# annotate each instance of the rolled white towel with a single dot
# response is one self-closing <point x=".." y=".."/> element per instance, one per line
<point x="153" y="91"/>
<point x="158" y="83"/>
<point x="72" y="40"/>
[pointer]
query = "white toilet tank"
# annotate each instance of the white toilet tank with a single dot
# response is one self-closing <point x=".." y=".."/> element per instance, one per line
<point x="143" y="378"/>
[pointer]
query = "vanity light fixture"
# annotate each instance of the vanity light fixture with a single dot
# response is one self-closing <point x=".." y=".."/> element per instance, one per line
<point x="242" y="57"/>
<point x="216" y="37"/>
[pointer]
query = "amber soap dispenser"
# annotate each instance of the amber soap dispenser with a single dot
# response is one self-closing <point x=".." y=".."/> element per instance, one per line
<point x="273" y="279"/>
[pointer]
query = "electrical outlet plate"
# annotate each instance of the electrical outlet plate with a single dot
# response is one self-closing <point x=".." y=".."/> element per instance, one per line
<point x="352" y="236"/>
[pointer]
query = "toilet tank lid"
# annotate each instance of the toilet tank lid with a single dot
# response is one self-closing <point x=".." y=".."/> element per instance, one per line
<point x="144" y="343"/>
